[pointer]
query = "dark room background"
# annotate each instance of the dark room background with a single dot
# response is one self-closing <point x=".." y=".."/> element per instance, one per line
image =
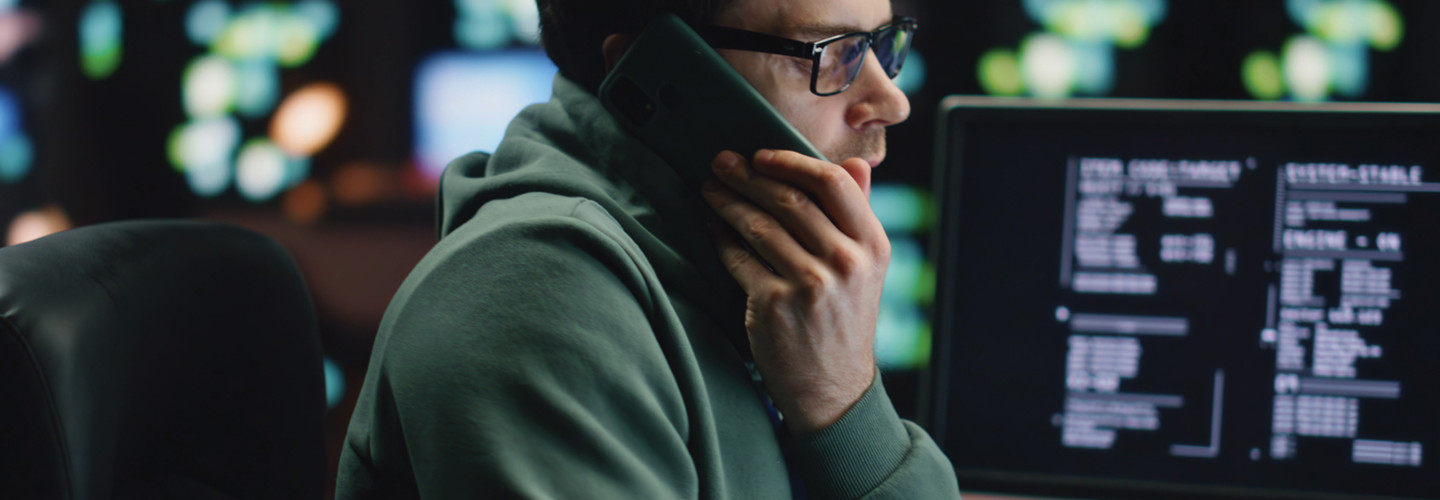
<point x="325" y="124"/>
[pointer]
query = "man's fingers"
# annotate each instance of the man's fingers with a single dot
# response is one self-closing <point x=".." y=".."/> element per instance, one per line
<point x="833" y="186"/>
<point x="748" y="270"/>
<point x="761" y="231"/>
<point x="789" y="205"/>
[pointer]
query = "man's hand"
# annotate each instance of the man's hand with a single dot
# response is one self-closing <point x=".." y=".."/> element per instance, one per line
<point x="813" y="279"/>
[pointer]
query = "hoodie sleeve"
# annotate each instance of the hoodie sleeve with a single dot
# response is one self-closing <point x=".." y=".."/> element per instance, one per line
<point x="871" y="453"/>
<point x="519" y="362"/>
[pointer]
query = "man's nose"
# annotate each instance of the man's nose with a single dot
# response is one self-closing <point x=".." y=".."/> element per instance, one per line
<point x="878" y="102"/>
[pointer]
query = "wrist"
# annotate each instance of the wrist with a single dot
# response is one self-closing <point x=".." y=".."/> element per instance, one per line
<point x="823" y="404"/>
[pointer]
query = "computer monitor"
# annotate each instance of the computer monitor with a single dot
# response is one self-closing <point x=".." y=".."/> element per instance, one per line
<point x="1156" y="299"/>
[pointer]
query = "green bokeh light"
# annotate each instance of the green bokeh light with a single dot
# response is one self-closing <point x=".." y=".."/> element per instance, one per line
<point x="1131" y="25"/>
<point x="296" y="41"/>
<point x="1387" y="27"/>
<point x="101" y="35"/>
<point x="1340" y="22"/>
<point x="902" y="338"/>
<point x="248" y="35"/>
<point x="901" y="208"/>
<point x="1261" y="71"/>
<point x="1000" y="73"/>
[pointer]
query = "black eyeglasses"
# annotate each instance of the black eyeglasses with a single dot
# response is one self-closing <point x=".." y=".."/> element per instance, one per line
<point x="837" y="60"/>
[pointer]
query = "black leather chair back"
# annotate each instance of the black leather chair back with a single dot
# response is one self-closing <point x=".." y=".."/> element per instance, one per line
<point x="158" y="359"/>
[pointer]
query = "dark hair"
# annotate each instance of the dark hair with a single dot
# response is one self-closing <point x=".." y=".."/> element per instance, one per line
<point x="573" y="30"/>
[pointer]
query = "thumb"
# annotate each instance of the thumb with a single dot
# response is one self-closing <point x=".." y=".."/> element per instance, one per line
<point x="860" y="171"/>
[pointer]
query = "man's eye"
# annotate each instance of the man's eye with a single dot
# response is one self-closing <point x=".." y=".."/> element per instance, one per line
<point x="851" y="54"/>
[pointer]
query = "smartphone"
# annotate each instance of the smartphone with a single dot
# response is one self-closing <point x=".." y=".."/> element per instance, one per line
<point x="687" y="104"/>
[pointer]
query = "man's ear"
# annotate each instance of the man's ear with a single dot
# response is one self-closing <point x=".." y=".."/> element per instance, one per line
<point x="615" y="46"/>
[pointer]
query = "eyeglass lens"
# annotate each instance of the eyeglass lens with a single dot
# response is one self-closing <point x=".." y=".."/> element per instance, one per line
<point x="841" y="60"/>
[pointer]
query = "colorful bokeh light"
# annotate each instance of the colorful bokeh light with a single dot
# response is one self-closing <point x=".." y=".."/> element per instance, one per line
<point x="912" y="76"/>
<point x="16" y="152"/>
<point x="101" y="30"/>
<point x="203" y="150"/>
<point x="496" y="24"/>
<point x="1075" y="54"/>
<point x="309" y="119"/>
<point x="35" y="224"/>
<point x="17" y="28"/>
<point x="238" y="78"/>
<point x="260" y="170"/>
<point x="209" y="87"/>
<point x="1332" y="58"/>
<point x="902" y="333"/>
<point x="1263" y="76"/>
<point x="334" y="383"/>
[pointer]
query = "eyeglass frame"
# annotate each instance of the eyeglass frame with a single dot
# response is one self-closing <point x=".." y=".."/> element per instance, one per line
<point x="723" y="37"/>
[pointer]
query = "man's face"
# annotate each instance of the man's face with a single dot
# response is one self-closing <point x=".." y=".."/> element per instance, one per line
<point x="850" y="124"/>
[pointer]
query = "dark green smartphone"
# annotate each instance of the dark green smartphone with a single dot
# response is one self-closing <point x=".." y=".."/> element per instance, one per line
<point x="686" y="103"/>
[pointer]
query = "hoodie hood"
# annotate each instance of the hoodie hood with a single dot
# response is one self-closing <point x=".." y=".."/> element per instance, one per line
<point x="571" y="146"/>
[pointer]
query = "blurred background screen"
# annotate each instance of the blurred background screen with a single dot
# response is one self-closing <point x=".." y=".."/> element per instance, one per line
<point x="325" y="124"/>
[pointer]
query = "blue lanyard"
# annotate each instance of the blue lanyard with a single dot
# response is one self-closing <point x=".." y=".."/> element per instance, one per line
<point x="797" y="488"/>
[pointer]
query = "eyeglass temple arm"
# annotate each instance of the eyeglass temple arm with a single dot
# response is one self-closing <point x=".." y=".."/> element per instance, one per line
<point x="721" y="37"/>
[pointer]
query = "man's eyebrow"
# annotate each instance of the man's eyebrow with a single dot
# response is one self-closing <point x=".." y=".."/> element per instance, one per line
<point x="813" y="32"/>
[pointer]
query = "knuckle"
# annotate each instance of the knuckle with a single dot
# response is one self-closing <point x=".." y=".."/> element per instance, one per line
<point x="813" y="281"/>
<point x="882" y="250"/>
<point x="847" y="261"/>
<point x="790" y="197"/>
<point x="834" y="177"/>
<point x="777" y="293"/>
<point x="736" y="259"/>
<point x="759" y="229"/>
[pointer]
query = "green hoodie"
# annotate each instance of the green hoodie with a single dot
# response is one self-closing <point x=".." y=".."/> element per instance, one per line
<point x="573" y="335"/>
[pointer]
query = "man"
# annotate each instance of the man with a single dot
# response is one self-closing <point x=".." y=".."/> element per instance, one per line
<point x="574" y="335"/>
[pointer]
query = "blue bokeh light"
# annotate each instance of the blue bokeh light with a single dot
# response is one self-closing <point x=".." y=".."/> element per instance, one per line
<point x="464" y="101"/>
<point x="9" y="113"/>
<point x="322" y="14"/>
<point x="206" y="20"/>
<point x="482" y="29"/>
<point x="912" y="76"/>
<point x="1095" y="66"/>
<point x="16" y="152"/>
<point x="900" y="208"/>
<point x="16" y="155"/>
<point x="257" y="87"/>
<point x="334" y="383"/>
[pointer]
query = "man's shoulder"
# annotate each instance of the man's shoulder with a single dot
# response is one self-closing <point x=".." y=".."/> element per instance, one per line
<point x="530" y="280"/>
<point x="523" y="215"/>
<point x="519" y="259"/>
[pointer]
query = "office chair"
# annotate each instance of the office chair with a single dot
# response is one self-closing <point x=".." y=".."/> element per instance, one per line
<point x="158" y="359"/>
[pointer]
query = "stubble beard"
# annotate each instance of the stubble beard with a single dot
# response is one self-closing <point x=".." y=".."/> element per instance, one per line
<point x="866" y="145"/>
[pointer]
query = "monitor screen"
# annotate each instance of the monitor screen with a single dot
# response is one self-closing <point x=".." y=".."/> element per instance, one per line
<point x="1201" y="299"/>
